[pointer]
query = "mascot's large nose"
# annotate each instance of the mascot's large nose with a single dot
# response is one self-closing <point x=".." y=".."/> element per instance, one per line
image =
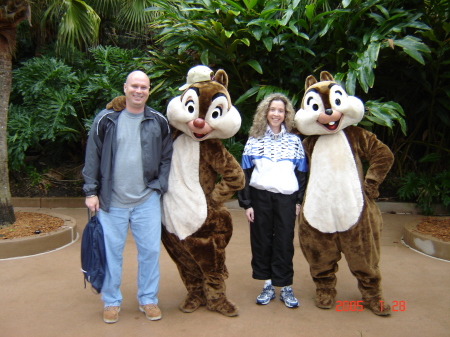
<point x="199" y="123"/>
<point x="329" y="112"/>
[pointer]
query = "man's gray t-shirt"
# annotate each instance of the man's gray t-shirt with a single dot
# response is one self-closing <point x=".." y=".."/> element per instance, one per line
<point x="129" y="189"/>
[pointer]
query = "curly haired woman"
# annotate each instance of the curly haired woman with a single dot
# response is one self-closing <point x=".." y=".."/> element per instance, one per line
<point x="275" y="168"/>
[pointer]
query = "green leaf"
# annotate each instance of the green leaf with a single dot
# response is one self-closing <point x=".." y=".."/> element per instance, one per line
<point x="250" y="92"/>
<point x="235" y="5"/>
<point x="380" y="121"/>
<point x="245" y="41"/>
<point x="413" y="47"/>
<point x="286" y="17"/>
<point x="255" y="65"/>
<point x="257" y="32"/>
<point x="310" y="11"/>
<point x="295" y="3"/>
<point x="431" y="157"/>
<point x="303" y="24"/>
<point x="294" y="28"/>
<point x="205" y="57"/>
<point x="325" y="29"/>
<point x="268" y="42"/>
<point x="350" y="83"/>
<point x="250" y="3"/>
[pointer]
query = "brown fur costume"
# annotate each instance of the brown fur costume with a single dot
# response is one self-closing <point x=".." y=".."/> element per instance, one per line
<point x="196" y="238"/>
<point x="197" y="226"/>
<point x="339" y="214"/>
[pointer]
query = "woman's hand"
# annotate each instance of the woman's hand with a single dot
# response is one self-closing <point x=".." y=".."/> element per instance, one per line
<point x="250" y="214"/>
<point x="298" y="209"/>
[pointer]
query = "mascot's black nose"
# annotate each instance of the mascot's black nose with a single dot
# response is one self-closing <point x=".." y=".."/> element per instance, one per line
<point x="329" y="112"/>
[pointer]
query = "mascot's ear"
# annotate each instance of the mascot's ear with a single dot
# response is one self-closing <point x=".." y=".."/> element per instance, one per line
<point x="117" y="104"/>
<point x="326" y="76"/>
<point x="310" y="80"/>
<point x="221" y="77"/>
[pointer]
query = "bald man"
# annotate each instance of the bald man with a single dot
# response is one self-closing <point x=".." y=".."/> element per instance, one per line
<point x="126" y="171"/>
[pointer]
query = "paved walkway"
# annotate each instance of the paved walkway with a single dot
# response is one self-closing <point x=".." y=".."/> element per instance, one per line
<point x="43" y="295"/>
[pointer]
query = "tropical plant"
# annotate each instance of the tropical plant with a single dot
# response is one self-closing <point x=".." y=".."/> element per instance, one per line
<point x="72" y="25"/>
<point x="53" y="103"/>
<point x="424" y="93"/>
<point x="11" y="14"/>
<point x="268" y="46"/>
<point x="426" y="189"/>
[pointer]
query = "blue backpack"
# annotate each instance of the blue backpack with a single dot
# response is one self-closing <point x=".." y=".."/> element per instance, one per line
<point x="93" y="256"/>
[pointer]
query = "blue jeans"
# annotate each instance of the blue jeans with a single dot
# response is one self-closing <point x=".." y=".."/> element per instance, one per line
<point x="145" y="224"/>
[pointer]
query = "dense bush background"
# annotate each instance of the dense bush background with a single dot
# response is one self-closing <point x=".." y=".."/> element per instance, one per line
<point x="392" y="54"/>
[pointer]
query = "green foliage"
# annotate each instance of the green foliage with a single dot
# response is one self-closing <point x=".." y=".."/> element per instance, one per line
<point x="426" y="189"/>
<point x="33" y="175"/>
<point x="53" y="103"/>
<point x="424" y="93"/>
<point x="234" y="147"/>
<point x="392" y="54"/>
<point x="76" y="25"/>
<point x="268" y="46"/>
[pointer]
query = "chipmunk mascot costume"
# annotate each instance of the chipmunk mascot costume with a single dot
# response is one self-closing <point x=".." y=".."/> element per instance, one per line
<point x="339" y="214"/>
<point x="196" y="225"/>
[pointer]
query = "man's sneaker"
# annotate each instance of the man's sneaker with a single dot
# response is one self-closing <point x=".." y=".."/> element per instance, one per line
<point x="151" y="311"/>
<point x="268" y="293"/>
<point x="111" y="314"/>
<point x="287" y="296"/>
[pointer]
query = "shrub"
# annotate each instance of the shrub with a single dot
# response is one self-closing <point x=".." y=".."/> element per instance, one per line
<point x="53" y="102"/>
<point x="272" y="46"/>
<point x="426" y="189"/>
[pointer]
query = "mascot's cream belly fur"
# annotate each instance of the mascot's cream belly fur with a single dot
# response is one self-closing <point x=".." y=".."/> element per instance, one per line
<point x="340" y="207"/>
<point x="339" y="214"/>
<point x="184" y="193"/>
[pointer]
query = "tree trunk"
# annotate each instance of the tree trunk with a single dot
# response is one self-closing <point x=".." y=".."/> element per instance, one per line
<point x="6" y="209"/>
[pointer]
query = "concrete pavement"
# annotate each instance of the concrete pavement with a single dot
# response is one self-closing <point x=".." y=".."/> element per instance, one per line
<point x="43" y="295"/>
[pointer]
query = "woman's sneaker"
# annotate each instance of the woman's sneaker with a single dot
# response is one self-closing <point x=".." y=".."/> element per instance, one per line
<point x="267" y="294"/>
<point x="287" y="296"/>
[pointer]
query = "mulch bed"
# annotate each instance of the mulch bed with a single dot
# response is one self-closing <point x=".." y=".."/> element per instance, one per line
<point x="436" y="227"/>
<point x="28" y="224"/>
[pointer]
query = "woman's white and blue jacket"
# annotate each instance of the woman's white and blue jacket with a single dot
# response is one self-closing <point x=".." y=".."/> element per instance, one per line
<point x="275" y="163"/>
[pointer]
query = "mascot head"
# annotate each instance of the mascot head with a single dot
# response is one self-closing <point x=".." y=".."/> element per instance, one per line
<point x="326" y="107"/>
<point x="204" y="109"/>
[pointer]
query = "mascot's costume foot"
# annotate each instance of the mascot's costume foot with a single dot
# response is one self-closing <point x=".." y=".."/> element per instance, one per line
<point x="339" y="214"/>
<point x="196" y="225"/>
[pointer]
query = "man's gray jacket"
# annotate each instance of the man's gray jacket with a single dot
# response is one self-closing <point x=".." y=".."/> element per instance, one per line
<point x="156" y="143"/>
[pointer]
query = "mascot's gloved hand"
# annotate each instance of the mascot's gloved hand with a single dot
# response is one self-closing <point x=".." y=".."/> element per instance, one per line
<point x="371" y="188"/>
<point x="117" y="104"/>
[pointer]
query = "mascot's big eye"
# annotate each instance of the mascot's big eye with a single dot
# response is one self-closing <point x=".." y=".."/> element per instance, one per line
<point x="190" y="106"/>
<point x="217" y="112"/>
<point x="337" y="92"/>
<point x="312" y="101"/>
